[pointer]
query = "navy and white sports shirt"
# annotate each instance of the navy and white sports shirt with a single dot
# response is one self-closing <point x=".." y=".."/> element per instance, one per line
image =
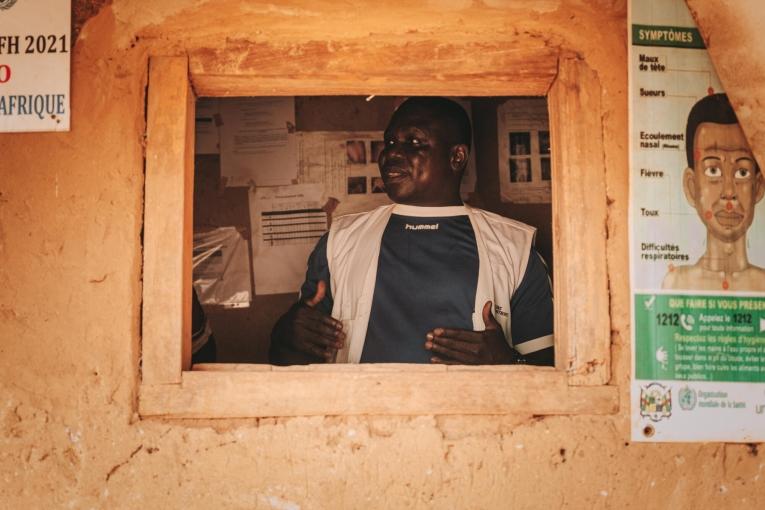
<point x="427" y="276"/>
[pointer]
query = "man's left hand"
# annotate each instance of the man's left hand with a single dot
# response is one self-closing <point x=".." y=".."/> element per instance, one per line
<point x="464" y="347"/>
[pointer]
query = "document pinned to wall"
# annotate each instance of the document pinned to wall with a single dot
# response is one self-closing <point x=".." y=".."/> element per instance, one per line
<point x="287" y="221"/>
<point x="35" y="45"/>
<point x="697" y="248"/>
<point x="207" y="119"/>
<point x="345" y="164"/>
<point x="258" y="145"/>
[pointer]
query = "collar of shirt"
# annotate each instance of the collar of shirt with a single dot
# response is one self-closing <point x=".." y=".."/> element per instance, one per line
<point x="429" y="212"/>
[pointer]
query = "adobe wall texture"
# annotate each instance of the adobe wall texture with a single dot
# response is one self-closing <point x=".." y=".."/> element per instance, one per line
<point x="70" y="297"/>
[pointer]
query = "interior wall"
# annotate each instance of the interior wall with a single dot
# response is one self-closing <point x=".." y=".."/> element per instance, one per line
<point x="70" y="298"/>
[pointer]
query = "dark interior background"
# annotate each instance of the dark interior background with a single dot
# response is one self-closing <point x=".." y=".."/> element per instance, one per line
<point x="242" y="335"/>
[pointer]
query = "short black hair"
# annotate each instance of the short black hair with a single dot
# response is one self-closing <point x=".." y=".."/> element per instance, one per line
<point x="450" y="112"/>
<point x="712" y="108"/>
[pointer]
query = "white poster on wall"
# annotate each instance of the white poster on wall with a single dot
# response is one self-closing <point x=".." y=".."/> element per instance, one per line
<point x="287" y="222"/>
<point x="35" y="44"/>
<point x="697" y="248"/>
<point x="257" y="141"/>
<point x="345" y="164"/>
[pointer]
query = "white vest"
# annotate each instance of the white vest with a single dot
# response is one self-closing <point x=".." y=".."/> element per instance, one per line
<point x="353" y="249"/>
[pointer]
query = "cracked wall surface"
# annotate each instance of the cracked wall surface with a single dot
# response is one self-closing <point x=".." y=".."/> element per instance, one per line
<point x="70" y="293"/>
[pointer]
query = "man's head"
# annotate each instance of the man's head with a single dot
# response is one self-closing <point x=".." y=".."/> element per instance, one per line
<point x="427" y="143"/>
<point x="722" y="182"/>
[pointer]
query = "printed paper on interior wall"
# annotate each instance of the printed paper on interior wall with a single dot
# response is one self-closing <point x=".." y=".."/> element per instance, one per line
<point x="345" y="163"/>
<point x="697" y="242"/>
<point x="35" y="44"/>
<point x="287" y="222"/>
<point x="258" y="146"/>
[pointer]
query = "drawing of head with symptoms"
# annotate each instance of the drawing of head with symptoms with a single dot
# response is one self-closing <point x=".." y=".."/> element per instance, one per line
<point x="723" y="183"/>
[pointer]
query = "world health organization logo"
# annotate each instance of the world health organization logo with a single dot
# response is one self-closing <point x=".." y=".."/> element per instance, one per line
<point x="6" y="4"/>
<point x="687" y="398"/>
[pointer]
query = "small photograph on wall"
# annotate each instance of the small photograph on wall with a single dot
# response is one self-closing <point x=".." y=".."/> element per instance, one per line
<point x="377" y="148"/>
<point x="520" y="170"/>
<point x="520" y="143"/>
<point x="356" y="151"/>
<point x="357" y="185"/>
<point x="378" y="186"/>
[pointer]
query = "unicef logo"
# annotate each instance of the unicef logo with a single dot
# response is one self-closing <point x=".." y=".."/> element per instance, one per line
<point x="6" y="4"/>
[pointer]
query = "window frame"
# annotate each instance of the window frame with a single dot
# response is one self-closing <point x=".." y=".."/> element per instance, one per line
<point x="577" y="384"/>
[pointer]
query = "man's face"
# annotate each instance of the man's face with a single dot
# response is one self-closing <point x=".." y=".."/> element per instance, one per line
<point x="417" y="163"/>
<point x="724" y="185"/>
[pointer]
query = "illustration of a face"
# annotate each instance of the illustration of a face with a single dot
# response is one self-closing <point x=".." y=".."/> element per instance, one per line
<point x="724" y="186"/>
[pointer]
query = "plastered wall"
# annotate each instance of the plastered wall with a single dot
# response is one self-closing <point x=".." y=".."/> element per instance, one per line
<point x="70" y="300"/>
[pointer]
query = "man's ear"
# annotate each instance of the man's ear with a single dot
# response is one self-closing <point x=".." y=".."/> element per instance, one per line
<point x="458" y="158"/>
<point x="759" y="184"/>
<point x="689" y="186"/>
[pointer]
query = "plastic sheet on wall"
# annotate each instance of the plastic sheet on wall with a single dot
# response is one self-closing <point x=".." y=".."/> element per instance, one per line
<point x="221" y="263"/>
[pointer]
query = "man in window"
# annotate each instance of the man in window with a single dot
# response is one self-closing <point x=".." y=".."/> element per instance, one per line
<point x="426" y="279"/>
<point x="723" y="183"/>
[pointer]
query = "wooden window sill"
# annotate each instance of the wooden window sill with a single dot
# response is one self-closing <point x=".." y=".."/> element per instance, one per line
<point x="248" y="391"/>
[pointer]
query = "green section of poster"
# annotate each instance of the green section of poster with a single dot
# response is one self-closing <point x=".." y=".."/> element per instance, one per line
<point x="673" y="37"/>
<point x="700" y="338"/>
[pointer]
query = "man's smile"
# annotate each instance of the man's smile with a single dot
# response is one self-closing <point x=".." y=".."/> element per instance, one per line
<point x="394" y="173"/>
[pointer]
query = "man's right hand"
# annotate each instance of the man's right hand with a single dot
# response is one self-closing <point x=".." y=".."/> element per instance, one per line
<point x="307" y="330"/>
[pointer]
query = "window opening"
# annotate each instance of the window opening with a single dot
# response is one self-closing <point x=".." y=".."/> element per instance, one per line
<point x="316" y="157"/>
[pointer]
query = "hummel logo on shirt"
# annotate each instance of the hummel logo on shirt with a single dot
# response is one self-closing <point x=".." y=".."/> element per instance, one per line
<point x="434" y="226"/>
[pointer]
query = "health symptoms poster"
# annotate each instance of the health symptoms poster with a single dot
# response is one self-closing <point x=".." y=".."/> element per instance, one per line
<point x="697" y="242"/>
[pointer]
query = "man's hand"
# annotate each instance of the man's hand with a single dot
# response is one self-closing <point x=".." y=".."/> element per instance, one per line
<point x="307" y="330"/>
<point x="464" y="347"/>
